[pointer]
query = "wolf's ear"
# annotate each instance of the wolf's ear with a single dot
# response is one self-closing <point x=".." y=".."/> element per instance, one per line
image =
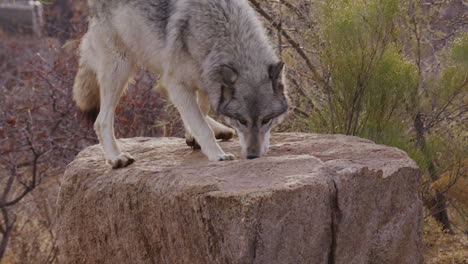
<point x="229" y="75"/>
<point x="274" y="71"/>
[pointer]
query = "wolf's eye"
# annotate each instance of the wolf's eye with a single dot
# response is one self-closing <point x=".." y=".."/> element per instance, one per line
<point x="266" y="121"/>
<point x="242" y="122"/>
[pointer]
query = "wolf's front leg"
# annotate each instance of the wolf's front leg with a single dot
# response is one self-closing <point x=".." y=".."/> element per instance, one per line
<point x="221" y="131"/>
<point x="104" y="127"/>
<point x="186" y="102"/>
<point x="112" y="84"/>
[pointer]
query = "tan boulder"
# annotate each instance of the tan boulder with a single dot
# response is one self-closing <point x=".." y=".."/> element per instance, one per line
<point x="314" y="199"/>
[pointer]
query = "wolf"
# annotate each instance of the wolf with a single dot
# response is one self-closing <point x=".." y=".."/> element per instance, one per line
<point x="208" y="54"/>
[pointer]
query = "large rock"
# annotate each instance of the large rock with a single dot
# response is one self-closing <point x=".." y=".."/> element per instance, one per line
<point x="313" y="199"/>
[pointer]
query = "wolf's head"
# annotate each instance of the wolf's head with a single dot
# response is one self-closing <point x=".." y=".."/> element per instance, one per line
<point x="253" y="107"/>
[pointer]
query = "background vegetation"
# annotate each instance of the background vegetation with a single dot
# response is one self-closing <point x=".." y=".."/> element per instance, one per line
<point x="394" y="71"/>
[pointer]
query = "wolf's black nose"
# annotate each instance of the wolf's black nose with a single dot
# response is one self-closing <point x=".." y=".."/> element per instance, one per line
<point x="252" y="157"/>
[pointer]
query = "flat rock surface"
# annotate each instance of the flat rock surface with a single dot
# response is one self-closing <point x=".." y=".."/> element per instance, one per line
<point x="312" y="199"/>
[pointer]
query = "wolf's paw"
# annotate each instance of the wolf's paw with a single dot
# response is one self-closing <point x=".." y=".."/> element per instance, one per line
<point x="227" y="156"/>
<point x="221" y="157"/>
<point x="225" y="135"/>
<point x="191" y="142"/>
<point x="121" y="161"/>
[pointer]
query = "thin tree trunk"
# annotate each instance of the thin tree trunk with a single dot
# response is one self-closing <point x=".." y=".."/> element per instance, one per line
<point x="64" y="24"/>
<point x="437" y="204"/>
<point x="6" y="232"/>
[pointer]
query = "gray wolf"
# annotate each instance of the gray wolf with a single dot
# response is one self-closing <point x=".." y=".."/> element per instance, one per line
<point x="207" y="53"/>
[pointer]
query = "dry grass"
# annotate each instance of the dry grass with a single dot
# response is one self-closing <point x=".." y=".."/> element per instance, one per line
<point x="443" y="248"/>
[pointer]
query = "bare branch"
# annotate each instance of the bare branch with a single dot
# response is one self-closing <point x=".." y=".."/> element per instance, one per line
<point x="291" y="41"/>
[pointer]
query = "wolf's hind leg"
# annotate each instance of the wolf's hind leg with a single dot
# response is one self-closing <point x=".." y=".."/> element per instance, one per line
<point x="194" y="121"/>
<point x="221" y="131"/>
<point x="113" y="75"/>
<point x="190" y="140"/>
